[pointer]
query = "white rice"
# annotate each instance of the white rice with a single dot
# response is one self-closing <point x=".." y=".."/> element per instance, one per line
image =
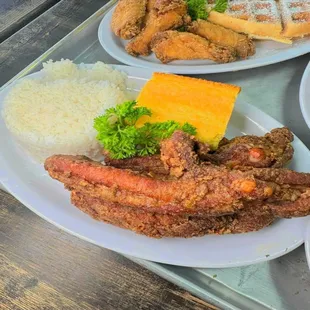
<point x="55" y="114"/>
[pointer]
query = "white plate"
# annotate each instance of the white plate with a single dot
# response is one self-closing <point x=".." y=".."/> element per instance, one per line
<point x="29" y="183"/>
<point x="267" y="52"/>
<point x="307" y="243"/>
<point x="304" y="95"/>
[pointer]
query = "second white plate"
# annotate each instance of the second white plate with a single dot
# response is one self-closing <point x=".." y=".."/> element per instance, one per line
<point x="29" y="182"/>
<point x="267" y="52"/>
<point x="304" y="95"/>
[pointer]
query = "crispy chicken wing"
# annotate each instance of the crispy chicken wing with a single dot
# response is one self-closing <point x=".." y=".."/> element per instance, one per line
<point x="173" y="45"/>
<point x="127" y="18"/>
<point x="160" y="18"/>
<point x="225" y="37"/>
<point x="149" y="8"/>
<point x="150" y="5"/>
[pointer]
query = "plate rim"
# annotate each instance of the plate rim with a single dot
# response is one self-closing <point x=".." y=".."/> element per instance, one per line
<point x="307" y="243"/>
<point x="302" y="94"/>
<point x="247" y="107"/>
<point x="123" y="57"/>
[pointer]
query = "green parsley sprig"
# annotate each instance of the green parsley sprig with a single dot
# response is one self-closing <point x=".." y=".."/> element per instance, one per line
<point x="197" y="9"/>
<point x="119" y="135"/>
<point x="220" y="6"/>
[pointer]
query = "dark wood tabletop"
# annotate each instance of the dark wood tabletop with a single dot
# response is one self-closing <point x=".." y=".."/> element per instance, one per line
<point x="18" y="13"/>
<point x="41" y="266"/>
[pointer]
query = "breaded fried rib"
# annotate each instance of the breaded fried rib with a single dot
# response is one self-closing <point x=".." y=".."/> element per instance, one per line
<point x="173" y="45"/>
<point x="147" y="164"/>
<point x="272" y="150"/>
<point x="279" y="176"/>
<point x="205" y="190"/>
<point x="170" y="225"/>
<point x="160" y="18"/>
<point x="243" y="45"/>
<point x="196" y="197"/>
<point x="127" y="18"/>
<point x="178" y="154"/>
<point x="145" y="192"/>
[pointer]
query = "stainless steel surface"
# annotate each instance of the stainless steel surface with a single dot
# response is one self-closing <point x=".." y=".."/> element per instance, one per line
<point x="282" y="284"/>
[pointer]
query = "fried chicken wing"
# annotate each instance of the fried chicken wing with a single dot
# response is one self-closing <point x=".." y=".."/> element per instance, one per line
<point x="162" y="17"/>
<point x="164" y="6"/>
<point x="149" y="8"/>
<point x="127" y="18"/>
<point x="222" y="36"/>
<point x="173" y="45"/>
<point x="150" y="5"/>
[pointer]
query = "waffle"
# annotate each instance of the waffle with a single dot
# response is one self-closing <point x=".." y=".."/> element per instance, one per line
<point x="260" y="19"/>
<point x="295" y="17"/>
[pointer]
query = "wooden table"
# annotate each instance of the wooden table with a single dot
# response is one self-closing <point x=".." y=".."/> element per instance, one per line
<point x="42" y="267"/>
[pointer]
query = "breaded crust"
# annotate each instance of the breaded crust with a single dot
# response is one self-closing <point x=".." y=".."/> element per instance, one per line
<point x="206" y="190"/>
<point x="127" y="18"/>
<point x="217" y="34"/>
<point x="170" y="225"/>
<point x="174" y="45"/>
<point x="160" y="18"/>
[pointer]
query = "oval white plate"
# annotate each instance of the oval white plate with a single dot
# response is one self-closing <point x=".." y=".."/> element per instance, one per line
<point x="267" y="52"/>
<point x="29" y="183"/>
<point x="307" y="243"/>
<point x="304" y="95"/>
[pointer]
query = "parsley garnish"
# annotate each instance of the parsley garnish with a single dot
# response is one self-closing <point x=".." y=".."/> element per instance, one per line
<point x="220" y="6"/>
<point x="119" y="135"/>
<point x="197" y="9"/>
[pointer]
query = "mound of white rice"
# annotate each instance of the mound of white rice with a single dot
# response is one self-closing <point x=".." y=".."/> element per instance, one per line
<point x="55" y="114"/>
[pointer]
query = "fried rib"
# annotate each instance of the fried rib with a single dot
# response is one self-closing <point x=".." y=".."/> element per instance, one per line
<point x="272" y="150"/>
<point x="160" y="18"/>
<point x="174" y="45"/>
<point x="144" y="192"/>
<point x="167" y="225"/>
<point x="205" y="190"/>
<point x="195" y="198"/>
<point x="289" y="209"/>
<point x="147" y="164"/>
<point x="127" y="18"/>
<point x="178" y="154"/>
<point x="225" y="37"/>
<point x="279" y="176"/>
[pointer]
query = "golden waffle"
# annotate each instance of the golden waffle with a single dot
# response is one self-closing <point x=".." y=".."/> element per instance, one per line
<point x="260" y="19"/>
<point x="295" y="17"/>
